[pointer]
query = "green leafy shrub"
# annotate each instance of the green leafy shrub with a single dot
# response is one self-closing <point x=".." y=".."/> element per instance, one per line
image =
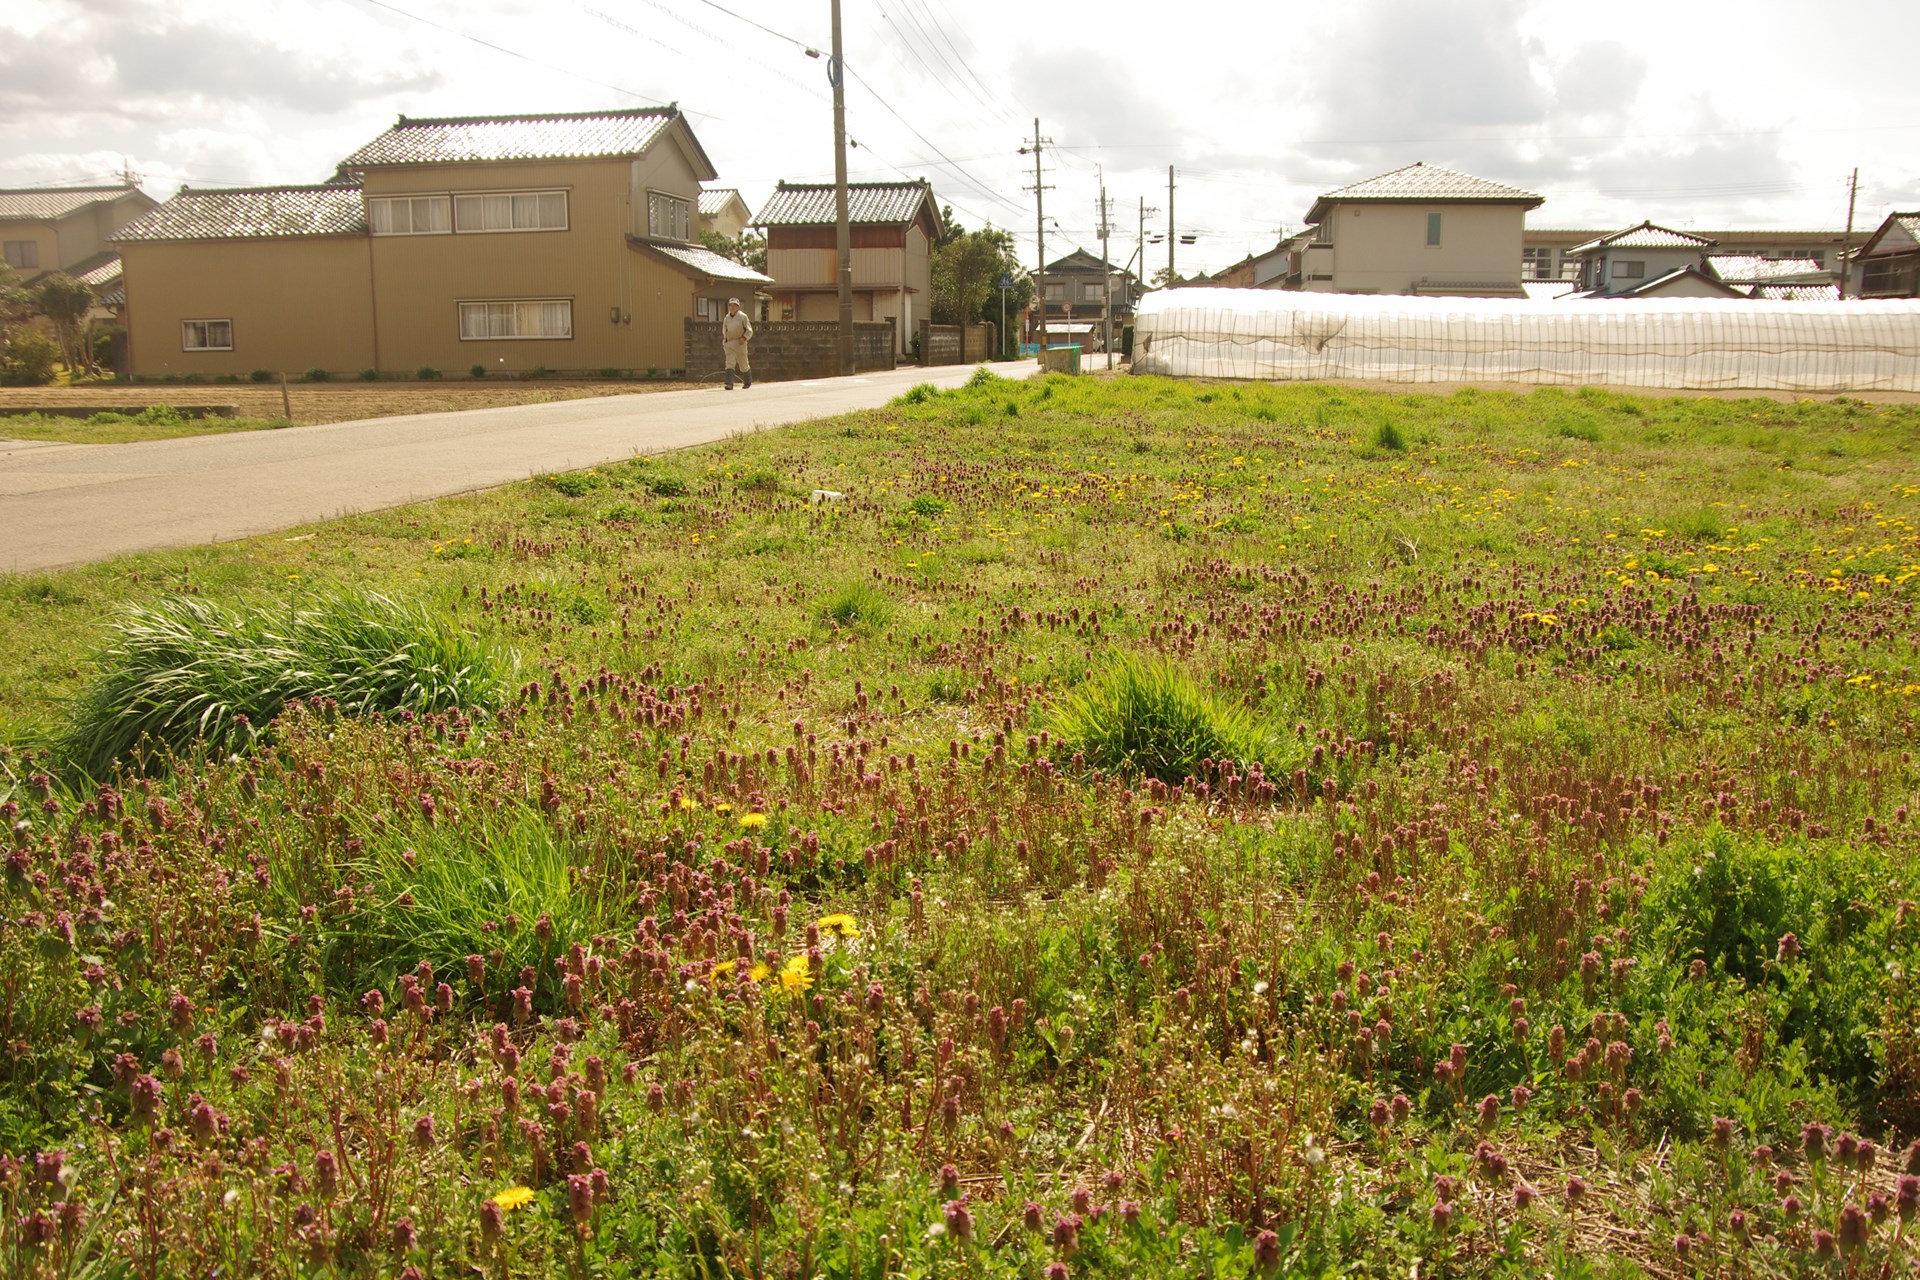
<point x="574" y="484"/>
<point x="1147" y="716"/>
<point x="666" y="486"/>
<point x="316" y="375"/>
<point x="369" y="375"/>
<point x="983" y="377"/>
<point x="427" y="373"/>
<point x="919" y="393"/>
<point x="927" y="505"/>
<point x="609" y="373"/>
<point x="1387" y="436"/>
<point x="182" y="671"/>
<point x="261" y="375"/>
<point x="30" y="361"/>
<point x="477" y="371"/>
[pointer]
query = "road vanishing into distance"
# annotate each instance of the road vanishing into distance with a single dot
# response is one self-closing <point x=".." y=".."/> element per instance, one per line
<point x="68" y="504"/>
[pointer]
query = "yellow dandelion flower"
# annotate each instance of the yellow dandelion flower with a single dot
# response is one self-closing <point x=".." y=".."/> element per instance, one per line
<point x="723" y="806"/>
<point x="797" y="975"/>
<point x="686" y="802"/>
<point x="753" y="821"/>
<point x="840" y="925"/>
<point x="514" y="1198"/>
<point x="725" y="968"/>
<point x="759" y="972"/>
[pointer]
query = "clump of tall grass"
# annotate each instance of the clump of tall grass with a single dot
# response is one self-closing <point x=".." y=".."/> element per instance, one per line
<point x="183" y="671"/>
<point x="858" y="604"/>
<point x="1150" y="717"/>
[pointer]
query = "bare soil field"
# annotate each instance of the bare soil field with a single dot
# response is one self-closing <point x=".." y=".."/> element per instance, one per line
<point x="315" y="403"/>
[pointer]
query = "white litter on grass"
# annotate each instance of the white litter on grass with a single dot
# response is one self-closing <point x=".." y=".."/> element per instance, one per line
<point x="825" y="495"/>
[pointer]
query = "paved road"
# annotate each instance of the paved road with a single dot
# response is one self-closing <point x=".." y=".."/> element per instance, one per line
<point x="68" y="504"/>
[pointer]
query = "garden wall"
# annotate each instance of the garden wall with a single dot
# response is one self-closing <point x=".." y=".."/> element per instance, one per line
<point x="783" y="350"/>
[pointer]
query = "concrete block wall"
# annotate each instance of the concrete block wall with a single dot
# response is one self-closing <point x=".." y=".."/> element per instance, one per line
<point x="783" y="350"/>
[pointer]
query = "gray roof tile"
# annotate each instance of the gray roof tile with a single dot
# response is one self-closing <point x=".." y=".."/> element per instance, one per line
<point x="1419" y="181"/>
<point x="1646" y="236"/>
<point x="470" y="139"/>
<point x="247" y="213"/>
<point x="55" y="202"/>
<point x="714" y="200"/>
<point x="707" y="263"/>
<point x="1747" y="268"/>
<point x="811" y="204"/>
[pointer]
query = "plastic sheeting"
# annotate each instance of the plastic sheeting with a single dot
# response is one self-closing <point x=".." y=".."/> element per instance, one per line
<point x="1696" y="344"/>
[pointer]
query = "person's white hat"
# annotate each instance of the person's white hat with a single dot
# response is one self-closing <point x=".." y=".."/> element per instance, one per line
<point x="733" y="302"/>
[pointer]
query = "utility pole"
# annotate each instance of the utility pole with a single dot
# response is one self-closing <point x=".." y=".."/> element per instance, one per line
<point x="1846" y="246"/>
<point x="1039" y="227"/>
<point x="1170" y="275"/>
<point x="842" y="233"/>
<point x="1106" y="273"/>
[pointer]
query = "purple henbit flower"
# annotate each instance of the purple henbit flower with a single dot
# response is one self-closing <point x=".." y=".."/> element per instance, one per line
<point x="1066" y="1233"/>
<point x="959" y="1220"/>
<point x="1402" y="1107"/>
<point x="1878" y="1207"/>
<point x="146" y="1099"/>
<point x="1130" y="1212"/>
<point x="405" y="1238"/>
<point x="1266" y="1251"/>
<point x="1814" y="1139"/>
<point x="1722" y="1132"/>
<point x="1032" y="1216"/>
<point x="1056" y="1271"/>
<point x="1906" y="1197"/>
<point x="580" y="1199"/>
<point x="1737" y="1224"/>
<point x="1852" y="1229"/>
<point x="1576" y="1189"/>
<point x="1489" y="1111"/>
<point x="326" y="1172"/>
<point x="1445" y="1188"/>
<point x="1524" y="1194"/>
<point x="1378" y="1114"/>
<point x="1081" y="1201"/>
<point x="1823" y="1245"/>
<point x="423" y="1130"/>
<point x="1442" y="1215"/>
<point x="1789" y="947"/>
<point x="1790" y="1209"/>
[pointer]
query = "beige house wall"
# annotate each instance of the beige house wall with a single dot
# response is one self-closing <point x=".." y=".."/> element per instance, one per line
<point x="423" y="279"/>
<point x="295" y="304"/>
<point x="46" y="243"/>
<point x="872" y="268"/>
<point x="1654" y="263"/>
<point x="1382" y="248"/>
<point x="68" y="241"/>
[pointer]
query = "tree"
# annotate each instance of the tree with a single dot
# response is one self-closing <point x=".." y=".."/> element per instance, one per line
<point x="966" y="273"/>
<point x="749" y="250"/>
<point x="66" y="302"/>
<point x="16" y="304"/>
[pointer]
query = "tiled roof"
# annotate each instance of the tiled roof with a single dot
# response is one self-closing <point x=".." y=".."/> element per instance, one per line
<point x="1746" y="268"/>
<point x="1646" y="236"/>
<point x="1419" y="181"/>
<point x="469" y="139"/>
<point x="1906" y="223"/>
<point x="1081" y="260"/>
<point x="115" y="296"/>
<point x="101" y="270"/>
<point x="811" y="204"/>
<point x="246" y="213"/>
<point x="714" y="201"/>
<point x="55" y="202"/>
<point x="1659" y="282"/>
<point x="707" y="263"/>
<point x="1798" y="292"/>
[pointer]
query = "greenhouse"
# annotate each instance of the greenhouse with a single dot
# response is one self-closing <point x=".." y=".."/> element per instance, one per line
<point x="1696" y="344"/>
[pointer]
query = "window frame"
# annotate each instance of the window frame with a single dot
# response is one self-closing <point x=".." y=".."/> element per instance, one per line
<point x="206" y="333"/>
<point x="566" y="210"/>
<point x="445" y="199"/>
<point x="460" y="328"/>
<point x="1628" y="269"/>
<point x="25" y="248"/>
<point x="686" y="220"/>
<point x="1433" y="230"/>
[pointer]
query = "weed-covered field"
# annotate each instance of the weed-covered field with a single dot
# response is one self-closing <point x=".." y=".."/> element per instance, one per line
<point x="1137" y="829"/>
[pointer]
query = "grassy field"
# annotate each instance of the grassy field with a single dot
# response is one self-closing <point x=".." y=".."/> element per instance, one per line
<point x="1139" y="828"/>
<point x="111" y="426"/>
<point x="312" y="402"/>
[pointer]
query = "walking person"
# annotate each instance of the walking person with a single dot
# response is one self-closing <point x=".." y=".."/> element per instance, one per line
<point x="735" y="329"/>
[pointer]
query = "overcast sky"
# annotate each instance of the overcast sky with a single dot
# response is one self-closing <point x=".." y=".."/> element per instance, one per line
<point x="1695" y="113"/>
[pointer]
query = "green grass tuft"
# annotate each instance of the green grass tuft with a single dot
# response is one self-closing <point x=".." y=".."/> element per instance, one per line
<point x="1148" y="716"/>
<point x="857" y="605"/>
<point x="183" y="671"/>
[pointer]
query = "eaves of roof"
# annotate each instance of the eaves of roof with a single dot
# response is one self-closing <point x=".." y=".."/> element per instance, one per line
<point x="1421" y="183"/>
<point x="251" y="213"/>
<point x="45" y="204"/>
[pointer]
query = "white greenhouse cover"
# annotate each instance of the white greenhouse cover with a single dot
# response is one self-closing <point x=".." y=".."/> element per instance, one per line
<point x="1687" y="343"/>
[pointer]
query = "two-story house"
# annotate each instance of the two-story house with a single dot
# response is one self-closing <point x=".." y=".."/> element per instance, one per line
<point x="1421" y="230"/>
<point x="509" y="243"/>
<point x="1548" y="253"/>
<point x="722" y="210"/>
<point x="892" y="226"/>
<point x="48" y="229"/>
<point x="1649" y="261"/>
<point x="1076" y="288"/>
<point x="1888" y="264"/>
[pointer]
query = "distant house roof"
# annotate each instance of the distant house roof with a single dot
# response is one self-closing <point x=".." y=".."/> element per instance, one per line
<point x="579" y="135"/>
<point x="1901" y="229"/>
<point x="1421" y="182"/>
<point x="1081" y="260"/>
<point x="704" y="262"/>
<point x="46" y="203"/>
<point x="1645" y="236"/>
<point x="249" y="213"/>
<point x="1660" y="284"/>
<point x="1747" y="268"/>
<point x="806" y="204"/>
<point x="100" y="271"/>
<point x="1546" y="290"/>
<point x="714" y="201"/>
<point x="1798" y="292"/>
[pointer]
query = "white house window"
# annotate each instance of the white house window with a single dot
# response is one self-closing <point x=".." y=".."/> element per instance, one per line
<point x="1536" y="264"/>
<point x="408" y="215"/>
<point x="1092" y="291"/>
<point x="1433" y="229"/>
<point x="520" y="318"/>
<point x="24" y="254"/>
<point x="206" y="335"/>
<point x="1630" y="270"/>
<point x="1056" y="293"/>
<point x="666" y="216"/>
<point x="511" y="211"/>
